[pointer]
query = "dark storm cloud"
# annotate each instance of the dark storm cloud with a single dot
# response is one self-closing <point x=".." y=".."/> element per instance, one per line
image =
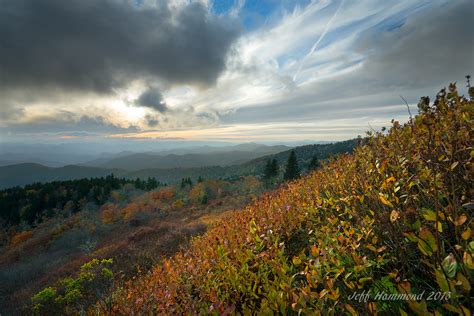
<point x="153" y="99"/>
<point x="102" y="44"/>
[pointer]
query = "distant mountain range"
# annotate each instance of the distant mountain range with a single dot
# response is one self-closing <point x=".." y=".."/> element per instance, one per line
<point x="26" y="173"/>
<point x="253" y="167"/>
<point x="83" y="153"/>
<point x="217" y="164"/>
<point x="190" y="158"/>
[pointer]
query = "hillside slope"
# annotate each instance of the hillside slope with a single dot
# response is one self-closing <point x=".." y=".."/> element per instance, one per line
<point x="393" y="218"/>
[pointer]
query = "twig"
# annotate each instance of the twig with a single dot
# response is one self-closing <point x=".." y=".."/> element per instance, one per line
<point x="408" y="107"/>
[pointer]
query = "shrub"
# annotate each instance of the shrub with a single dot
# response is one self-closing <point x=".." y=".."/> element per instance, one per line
<point x="73" y="295"/>
<point x="109" y="213"/>
<point x="179" y="203"/>
<point x="394" y="217"/>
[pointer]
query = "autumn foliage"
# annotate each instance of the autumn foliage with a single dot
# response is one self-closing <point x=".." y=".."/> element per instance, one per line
<point x="393" y="217"/>
<point x="21" y="237"/>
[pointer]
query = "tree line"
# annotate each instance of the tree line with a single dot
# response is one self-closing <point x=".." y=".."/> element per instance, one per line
<point x="29" y="204"/>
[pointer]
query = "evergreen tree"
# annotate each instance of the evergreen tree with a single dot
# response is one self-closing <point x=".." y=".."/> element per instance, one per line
<point x="267" y="171"/>
<point x="138" y="183"/>
<point x="151" y="183"/>
<point x="185" y="182"/>
<point x="274" y="167"/>
<point x="292" y="169"/>
<point x="314" y="163"/>
<point x="271" y="169"/>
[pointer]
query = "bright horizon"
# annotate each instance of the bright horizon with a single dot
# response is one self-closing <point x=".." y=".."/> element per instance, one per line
<point x="232" y="71"/>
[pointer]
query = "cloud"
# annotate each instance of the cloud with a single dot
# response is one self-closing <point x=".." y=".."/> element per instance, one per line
<point x="66" y="123"/>
<point x="151" y="121"/>
<point x="99" y="45"/>
<point x="428" y="50"/>
<point x="9" y="112"/>
<point x="361" y="72"/>
<point x="153" y="99"/>
<point x="351" y="66"/>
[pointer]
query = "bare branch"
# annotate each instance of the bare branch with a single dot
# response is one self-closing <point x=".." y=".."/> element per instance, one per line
<point x="408" y="107"/>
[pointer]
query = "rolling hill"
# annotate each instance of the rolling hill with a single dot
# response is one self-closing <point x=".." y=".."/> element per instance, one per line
<point x="139" y="161"/>
<point x="22" y="174"/>
<point x="26" y="173"/>
<point x="253" y="167"/>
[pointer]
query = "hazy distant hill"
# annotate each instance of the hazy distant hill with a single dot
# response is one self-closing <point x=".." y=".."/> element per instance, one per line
<point x="193" y="158"/>
<point x="25" y="173"/>
<point x="21" y="174"/>
<point x="255" y="166"/>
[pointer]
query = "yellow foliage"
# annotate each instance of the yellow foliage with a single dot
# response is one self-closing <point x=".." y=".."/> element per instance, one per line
<point x="109" y="213"/>
<point x="178" y="204"/>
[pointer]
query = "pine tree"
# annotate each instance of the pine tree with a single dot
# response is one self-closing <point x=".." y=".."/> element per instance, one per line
<point x="292" y="169"/>
<point x="274" y="167"/>
<point x="271" y="169"/>
<point x="314" y="164"/>
<point x="267" y="173"/>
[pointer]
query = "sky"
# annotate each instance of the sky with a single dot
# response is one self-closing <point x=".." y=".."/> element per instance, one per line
<point x="223" y="70"/>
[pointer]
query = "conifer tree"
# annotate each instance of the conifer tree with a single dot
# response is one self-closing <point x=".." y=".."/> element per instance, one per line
<point x="292" y="169"/>
<point x="271" y="169"/>
<point x="314" y="163"/>
<point x="274" y="167"/>
<point x="267" y="171"/>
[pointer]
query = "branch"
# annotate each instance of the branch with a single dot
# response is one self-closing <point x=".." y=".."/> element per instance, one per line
<point x="408" y="107"/>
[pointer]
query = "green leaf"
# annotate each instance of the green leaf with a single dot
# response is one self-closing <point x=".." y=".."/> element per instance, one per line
<point x="441" y="280"/>
<point x="449" y="265"/>
<point x="411" y="236"/>
<point x="428" y="214"/>
<point x="427" y="242"/>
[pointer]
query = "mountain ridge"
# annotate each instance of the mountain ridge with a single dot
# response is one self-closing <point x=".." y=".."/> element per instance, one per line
<point x="13" y="175"/>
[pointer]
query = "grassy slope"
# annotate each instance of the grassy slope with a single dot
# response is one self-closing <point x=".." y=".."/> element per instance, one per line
<point x="386" y="218"/>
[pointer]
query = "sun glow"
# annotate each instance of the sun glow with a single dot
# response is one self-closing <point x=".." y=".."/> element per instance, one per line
<point x="129" y="113"/>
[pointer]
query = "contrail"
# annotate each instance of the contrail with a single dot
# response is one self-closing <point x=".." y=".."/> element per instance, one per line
<point x="313" y="48"/>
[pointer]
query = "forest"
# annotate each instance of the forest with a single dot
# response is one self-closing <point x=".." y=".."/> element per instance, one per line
<point x="32" y="203"/>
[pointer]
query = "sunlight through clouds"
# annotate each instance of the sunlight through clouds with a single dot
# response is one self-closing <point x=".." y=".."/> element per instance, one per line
<point x="284" y="64"/>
